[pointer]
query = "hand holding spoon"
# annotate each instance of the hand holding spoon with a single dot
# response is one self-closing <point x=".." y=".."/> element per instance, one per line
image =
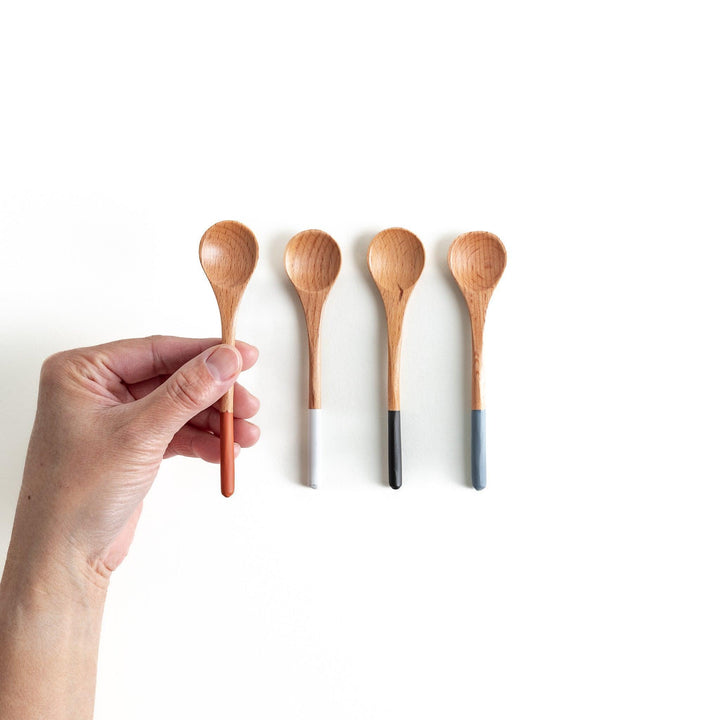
<point x="312" y="262"/>
<point x="396" y="259"/>
<point x="477" y="261"/>
<point x="228" y="255"/>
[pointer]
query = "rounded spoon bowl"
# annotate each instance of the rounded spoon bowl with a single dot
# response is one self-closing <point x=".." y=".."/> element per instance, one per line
<point x="396" y="259"/>
<point x="228" y="254"/>
<point x="312" y="261"/>
<point x="477" y="261"/>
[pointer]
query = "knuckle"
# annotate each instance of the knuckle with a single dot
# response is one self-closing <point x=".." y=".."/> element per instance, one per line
<point x="153" y="340"/>
<point x="54" y="365"/>
<point x="57" y="369"/>
<point x="157" y="360"/>
<point x="74" y="366"/>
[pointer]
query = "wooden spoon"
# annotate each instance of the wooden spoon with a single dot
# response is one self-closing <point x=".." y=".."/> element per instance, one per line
<point x="312" y="262"/>
<point x="228" y="255"/>
<point x="477" y="261"/>
<point x="396" y="259"/>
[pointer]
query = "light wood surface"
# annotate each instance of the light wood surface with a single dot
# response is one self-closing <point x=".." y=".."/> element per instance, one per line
<point x="396" y="259"/>
<point x="477" y="261"/>
<point x="228" y="255"/>
<point x="312" y="262"/>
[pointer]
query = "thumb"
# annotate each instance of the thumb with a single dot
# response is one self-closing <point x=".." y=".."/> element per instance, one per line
<point x="191" y="389"/>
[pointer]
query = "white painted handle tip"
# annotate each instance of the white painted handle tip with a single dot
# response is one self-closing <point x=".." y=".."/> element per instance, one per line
<point x="314" y="435"/>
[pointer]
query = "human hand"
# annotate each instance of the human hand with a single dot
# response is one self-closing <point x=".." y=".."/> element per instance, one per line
<point x="106" y="417"/>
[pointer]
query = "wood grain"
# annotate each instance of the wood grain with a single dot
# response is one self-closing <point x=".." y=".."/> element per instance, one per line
<point x="312" y="262"/>
<point x="396" y="259"/>
<point x="477" y="261"/>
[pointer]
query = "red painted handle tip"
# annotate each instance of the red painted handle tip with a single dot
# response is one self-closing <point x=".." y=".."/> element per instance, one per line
<point x="227" y="454"/>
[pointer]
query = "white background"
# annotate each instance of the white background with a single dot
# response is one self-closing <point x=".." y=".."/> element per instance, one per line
<point x="583" y="583"/>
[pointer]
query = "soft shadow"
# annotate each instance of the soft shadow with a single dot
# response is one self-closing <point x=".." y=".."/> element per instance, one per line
<point x="465" y="363"/>
<point x="278" y="242"/>
<point x="362" y="242"/>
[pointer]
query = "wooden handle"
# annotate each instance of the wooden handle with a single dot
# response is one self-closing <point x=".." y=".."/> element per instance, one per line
<point x="395" y="313"/>
<point x="312" y="303"/>
<point x="477" y="390"/>
<point x="393" y="377"/>
<point x="227" y="433"/>
<point x="314" y="374"/>
<point x="478" y="307"/>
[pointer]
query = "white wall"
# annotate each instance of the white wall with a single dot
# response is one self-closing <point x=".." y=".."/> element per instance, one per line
<point x="582" y="582"/>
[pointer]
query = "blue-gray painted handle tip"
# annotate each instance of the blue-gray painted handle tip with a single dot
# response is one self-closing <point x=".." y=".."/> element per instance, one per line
<point x="477" y="445"/>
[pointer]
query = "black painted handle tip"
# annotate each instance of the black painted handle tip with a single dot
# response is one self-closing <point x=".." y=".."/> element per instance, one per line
<point x="394" y="450"/>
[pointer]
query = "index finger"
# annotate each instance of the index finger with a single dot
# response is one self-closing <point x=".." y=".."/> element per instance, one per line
<point x="139" y="359"/>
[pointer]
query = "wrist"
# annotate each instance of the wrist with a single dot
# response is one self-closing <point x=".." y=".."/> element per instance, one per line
<point x="49" y="586"/>
<point x="51" y="574"/>
<point x="51" y="611"/>
<point x="43" y="552"/>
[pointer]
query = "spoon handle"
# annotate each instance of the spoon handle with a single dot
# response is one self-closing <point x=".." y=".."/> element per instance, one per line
<point x="394" y="450"/>
<point x="227" y="423"/>
<point x="313" y="312"/>
<point x="477" y="454"/>
<point x="394" y="320"/>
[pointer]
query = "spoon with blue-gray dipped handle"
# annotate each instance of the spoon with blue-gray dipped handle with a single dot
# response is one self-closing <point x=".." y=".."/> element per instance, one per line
<point x="477" y="261"/>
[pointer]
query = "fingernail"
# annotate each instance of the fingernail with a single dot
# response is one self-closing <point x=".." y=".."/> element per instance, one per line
<point x="223" y="363"/>
<point x="236" y="449"/>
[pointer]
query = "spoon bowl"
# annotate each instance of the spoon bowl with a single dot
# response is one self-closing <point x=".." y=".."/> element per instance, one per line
<point x="477" y="261"/>
<point x="228" y="255"/>
<point x="396" y="259"/>
<point x="312" y="261"/>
